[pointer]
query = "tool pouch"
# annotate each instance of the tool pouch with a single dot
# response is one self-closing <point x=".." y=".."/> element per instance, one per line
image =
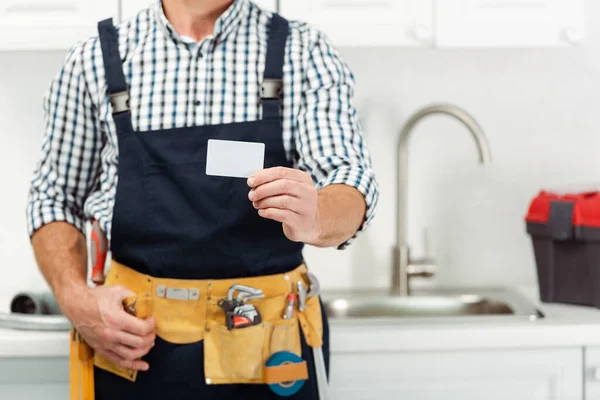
<point x="236" y="356"/>
<point x="141" y="307"/>
<point x="239" y="355"/>
<point x="311" y="321"/>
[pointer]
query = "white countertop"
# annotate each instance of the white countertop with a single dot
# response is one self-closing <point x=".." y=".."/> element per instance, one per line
<point x="563" y="326"/>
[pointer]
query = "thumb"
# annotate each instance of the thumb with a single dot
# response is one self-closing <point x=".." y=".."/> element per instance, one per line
<point x="122" y="293"/>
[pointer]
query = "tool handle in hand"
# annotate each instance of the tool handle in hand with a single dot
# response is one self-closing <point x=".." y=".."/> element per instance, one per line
<point x="98" y="251"/>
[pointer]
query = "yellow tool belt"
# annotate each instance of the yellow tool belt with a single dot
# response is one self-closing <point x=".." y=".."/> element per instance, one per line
<point x="187" y="311"/>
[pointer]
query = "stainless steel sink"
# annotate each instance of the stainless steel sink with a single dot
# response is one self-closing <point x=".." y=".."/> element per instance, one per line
<point x="439" y="304"/>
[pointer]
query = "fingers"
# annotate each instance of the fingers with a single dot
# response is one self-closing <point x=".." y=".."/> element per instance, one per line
<point x="137" y="365"/>
<point x="284" y="216"/>
<point x="125" y="321"/>
<point x="280" y="187"/>
<point x="134" y="325"/>
<point x="121" y="292"/>
<point x="272" y="174"/>
<point x="129" y="354"/>
<point x="281" y="202"/>
<point x="135" y="341"/>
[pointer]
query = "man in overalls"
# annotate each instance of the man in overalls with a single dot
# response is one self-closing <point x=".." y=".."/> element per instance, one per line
<point x="128" y="120"/>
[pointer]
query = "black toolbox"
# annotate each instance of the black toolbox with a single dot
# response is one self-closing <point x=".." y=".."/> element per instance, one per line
<point x="565" y="231"/>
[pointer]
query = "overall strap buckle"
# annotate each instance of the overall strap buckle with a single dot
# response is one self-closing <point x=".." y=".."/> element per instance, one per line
<point x="271" y="88"/>
<point x="119" y="102"/>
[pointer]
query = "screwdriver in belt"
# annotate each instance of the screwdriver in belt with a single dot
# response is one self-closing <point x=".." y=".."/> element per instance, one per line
<point x="289" y="307"/>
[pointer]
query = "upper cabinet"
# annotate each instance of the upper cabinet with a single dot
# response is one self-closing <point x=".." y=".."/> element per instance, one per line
<point x="509" y="23"/>
<point x="366" y="22"/>
<point x="50" y="24"/>
<point x="443" y="23"/>
<point x="58" y="24"/>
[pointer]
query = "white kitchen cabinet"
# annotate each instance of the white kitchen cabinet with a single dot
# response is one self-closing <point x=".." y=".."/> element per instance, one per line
<point x="541" y="374"/>
<point x="508" y="23"/>
<point x="526" y="374"/>
<point x="366" y="22"/>
<point x="592" y="373"/>
<point x="50" y="24"/>
<point x="34" y="378"/>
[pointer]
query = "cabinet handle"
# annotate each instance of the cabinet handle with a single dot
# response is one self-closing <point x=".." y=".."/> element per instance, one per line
<point x="572" y="36"/>
<point x="596" y="374"/>
<point x="421" y="34"/>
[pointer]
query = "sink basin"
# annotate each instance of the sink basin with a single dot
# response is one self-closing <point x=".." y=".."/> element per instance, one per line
<point x="449" y="303"/>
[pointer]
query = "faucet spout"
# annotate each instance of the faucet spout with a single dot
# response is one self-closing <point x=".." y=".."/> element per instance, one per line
<point x="402" y="260"/>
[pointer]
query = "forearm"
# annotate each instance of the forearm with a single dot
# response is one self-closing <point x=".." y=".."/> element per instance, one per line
<point x="341" y="212"/>
<point x="96" y="313"/>
<point x="60" y="252"/>
<point x="73" y="137"/>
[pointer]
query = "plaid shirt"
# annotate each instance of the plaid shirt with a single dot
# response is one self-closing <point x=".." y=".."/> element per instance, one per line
<point x="175" y="83"/>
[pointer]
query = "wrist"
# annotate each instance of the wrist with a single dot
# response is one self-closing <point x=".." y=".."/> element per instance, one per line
<point x="71" y="297"/>
<point x="318" y="236"/>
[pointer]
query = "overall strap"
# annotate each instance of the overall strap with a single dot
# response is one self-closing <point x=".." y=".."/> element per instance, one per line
<point x="272" y="84"/>
<point x="118" y="91"/>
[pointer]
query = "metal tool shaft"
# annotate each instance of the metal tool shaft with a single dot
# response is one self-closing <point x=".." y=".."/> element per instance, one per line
<point x="322" y="384"/>
<point x="320" y="370"/>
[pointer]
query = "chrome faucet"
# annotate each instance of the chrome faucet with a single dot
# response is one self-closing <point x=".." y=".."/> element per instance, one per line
<point x="404" y="266"/>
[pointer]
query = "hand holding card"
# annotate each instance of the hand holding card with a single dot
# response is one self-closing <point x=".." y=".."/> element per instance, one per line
<point x="288" y="196"/>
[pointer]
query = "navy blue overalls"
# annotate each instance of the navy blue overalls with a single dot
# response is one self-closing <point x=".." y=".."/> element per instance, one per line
<point x="172" y="220"/>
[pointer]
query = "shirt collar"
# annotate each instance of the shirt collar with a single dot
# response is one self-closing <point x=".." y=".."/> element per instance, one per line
<point x="227" y="23"/>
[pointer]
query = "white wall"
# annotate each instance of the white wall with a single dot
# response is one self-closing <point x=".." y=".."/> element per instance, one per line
<point x="23" y="79"/>
<point x="538" y="108"/>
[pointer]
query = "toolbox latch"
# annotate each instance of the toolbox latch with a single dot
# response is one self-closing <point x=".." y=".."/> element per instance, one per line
<point x="560" y="220"/>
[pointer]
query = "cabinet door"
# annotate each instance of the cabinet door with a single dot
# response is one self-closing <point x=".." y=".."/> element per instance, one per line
<point x="366" y="22"/>
<point x="592" y="373"/>
<point x="509" y="23"/>
<point x="50" y="24"/>
<point x="34" y="378"/>
<point x="543" y="374"/>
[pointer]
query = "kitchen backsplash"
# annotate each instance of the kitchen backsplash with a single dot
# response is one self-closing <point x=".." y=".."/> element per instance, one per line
<point x="538" y="108"/>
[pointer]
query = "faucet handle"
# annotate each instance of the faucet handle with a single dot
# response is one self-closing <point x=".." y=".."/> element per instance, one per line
<point x="424" y="268"/>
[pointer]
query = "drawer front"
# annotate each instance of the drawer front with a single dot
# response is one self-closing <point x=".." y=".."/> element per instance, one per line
<point x="34" y="378"/>
<point x="540" y="374"/>
<point x="592" y="373"/>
